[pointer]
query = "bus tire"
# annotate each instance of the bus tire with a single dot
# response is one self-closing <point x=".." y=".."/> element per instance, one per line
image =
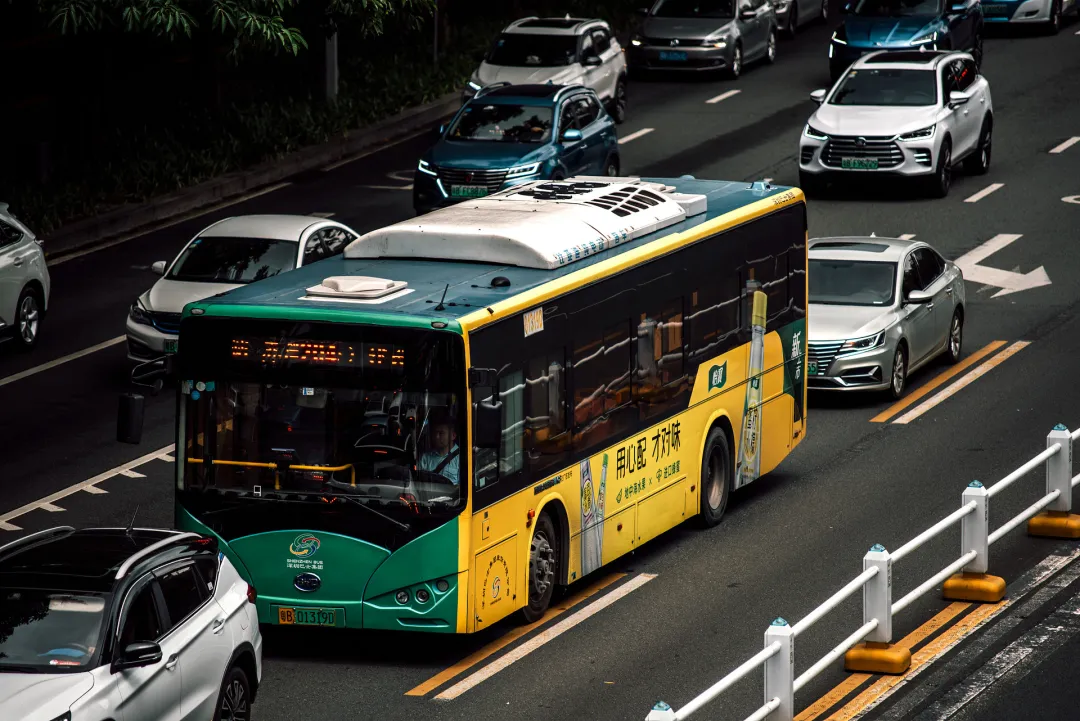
<point x="543" y="568"/>
<point x="717" y="473"/>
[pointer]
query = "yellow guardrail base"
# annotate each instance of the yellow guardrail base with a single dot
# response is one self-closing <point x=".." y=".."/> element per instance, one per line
<point x="1055" y="524"/>
<point x="872" y="657"/>
<point x="979" y="587"/>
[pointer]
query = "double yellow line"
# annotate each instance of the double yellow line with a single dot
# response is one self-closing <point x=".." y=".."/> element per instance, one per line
<point x="919" y="393"/>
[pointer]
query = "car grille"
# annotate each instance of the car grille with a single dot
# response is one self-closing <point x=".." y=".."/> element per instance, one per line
<point x="166" y="322"/>
<point x="807" y="154"/>
<point x="683" y="42"/>
<point x="885" y="150"/>
<point x="922" y="157"/>
<point x="492" y="179"/>
<point x="823" y="354"/>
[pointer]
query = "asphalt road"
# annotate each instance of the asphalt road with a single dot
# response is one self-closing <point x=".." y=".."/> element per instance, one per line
<point x="788" y="542"/>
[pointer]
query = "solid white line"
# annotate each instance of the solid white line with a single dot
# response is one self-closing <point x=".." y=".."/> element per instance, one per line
<point x="1068" y="143"/>
<point x="723" y="96"/>
<point x="906" y="236"/>
<point x="635" y="135"/>
<point x="965" y="380"/>
<point x="539" y="640"/>
<point x="60" y="361"/>
<point x="985" y="192"/>
<point x="48" y="504"/>
<point x="375" y="149"/>
<point x="167" y="224"/>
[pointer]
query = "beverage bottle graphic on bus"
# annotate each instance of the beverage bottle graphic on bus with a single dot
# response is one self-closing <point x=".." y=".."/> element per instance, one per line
<point x="592" y="517"/>
<point x="750" y="467"/>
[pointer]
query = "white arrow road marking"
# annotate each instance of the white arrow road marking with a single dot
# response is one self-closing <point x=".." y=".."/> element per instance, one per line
<point x="722" y="96"/>
<point x="635" y="135"/>
<point x="985" y="192"/>
<point x="1074" y="199"/>
<point x="1066" y="145"/>
<point x="1008" y="281"/>
<point x="906" y="236"/>
<point x="395" y="175"/>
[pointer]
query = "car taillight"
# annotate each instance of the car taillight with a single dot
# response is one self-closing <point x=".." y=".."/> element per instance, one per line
<point x="251" y="594"/>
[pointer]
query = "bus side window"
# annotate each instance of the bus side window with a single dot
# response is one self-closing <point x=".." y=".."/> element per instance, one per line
<point x="659" y="357"/>
<point x="545" y="412"/>
<point x="512" y="399"/>
<point x="714" y="317"/>
<point x="772" y="272"/>
<point x="601" y="383"/>
<point x="485" y="460"/>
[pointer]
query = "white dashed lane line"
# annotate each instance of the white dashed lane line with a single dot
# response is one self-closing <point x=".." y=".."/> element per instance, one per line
<point x="61" y="361"/>
<point x="985" y="192"/>
<point x="906" y="236"/>
<point x="722" y="96"/>
<point x="635" y="135"/>
<point x="1067" y="144"/>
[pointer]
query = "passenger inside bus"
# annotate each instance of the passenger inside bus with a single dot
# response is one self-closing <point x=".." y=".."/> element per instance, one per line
<point x="442" y="454"/>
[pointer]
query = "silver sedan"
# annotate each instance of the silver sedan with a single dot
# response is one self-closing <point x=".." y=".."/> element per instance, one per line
<point x="880" y="308"/>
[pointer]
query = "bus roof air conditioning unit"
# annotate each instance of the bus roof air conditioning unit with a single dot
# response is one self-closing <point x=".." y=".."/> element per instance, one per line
<point x="356" y="286"/>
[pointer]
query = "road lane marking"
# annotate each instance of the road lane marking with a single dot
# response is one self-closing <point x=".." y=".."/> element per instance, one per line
<point x="1066" y="145"/>
<point x="61" y="361"/>
<point x="374" y="149"/>
<point x="1005" y="280"/>
<point x="985" y="192"/>
<point x="906" y="236"/>
<point x="1074" y="199"/>
<point x="937" y="381"/>
<point x="852" y="682"/>
<point x="635" y="135"/>
<point x="321" y="215"/>
<point x="498" y="644"/>
<point x="48" y="503"/>
<point x="723" y="96"/>
<point x="544" y="636"/>
<point x="967" y="380"/>
<point x="65" y="257"/>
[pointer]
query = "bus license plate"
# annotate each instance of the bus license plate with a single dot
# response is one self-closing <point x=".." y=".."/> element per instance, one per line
<point x="170" y="346"/>
<point x="675" y="55"/>
<point x="859" y="163"/>
<point x="468" y="191"/>
<point x="307" y="616"/>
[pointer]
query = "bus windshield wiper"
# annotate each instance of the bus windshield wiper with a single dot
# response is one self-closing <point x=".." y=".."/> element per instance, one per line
<point x="369" y="509"/>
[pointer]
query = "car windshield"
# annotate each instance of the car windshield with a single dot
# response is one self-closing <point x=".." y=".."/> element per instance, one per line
<point x="851" y="282"/>
<point x="533" y="51"/>
<point x="695" y="9"/>
<point x="896" y="8"/>
<point x="502" y="122"/>
<point x="887" y="87"/>
<point x="49" y="631"/>
<point x="234" y="260"/>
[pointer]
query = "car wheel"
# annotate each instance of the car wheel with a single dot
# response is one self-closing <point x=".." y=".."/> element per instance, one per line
<point x="735" y="69"/>
<point x="618" y="103"/>
<point x="770" y="47"/>
<point x="558" y="175"/>
<point x="717" y="476"/>
<point x="543" y="564"/>
<point x="792" y="20"/>
<point x="1054" y="24"/>
<point x="27" y="319"/>
<point x="898" y="378"/>
<point x="234" y="700"/>
<point x="611" y="168"/>
<point x="978" y="163"/>
<point x="956" y="337"/>
<point x="942" y="178"/>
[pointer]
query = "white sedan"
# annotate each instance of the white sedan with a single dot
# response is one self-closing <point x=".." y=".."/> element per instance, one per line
<point x="230" y="253"/>
<point x="912" y="114"/>
<point x="24" y="282"/>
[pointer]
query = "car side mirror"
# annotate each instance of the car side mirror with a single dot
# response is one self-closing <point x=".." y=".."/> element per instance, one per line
<point x="747" y="14"/>
<point x="571" y="136"/>
<point x="591" y="61"/>
<point x="159" y="267"/>
<point x="818" y="96"/>
<point x="958" y="98"/>
<point x="135" y="655"/>
<point x="919" y="297"/>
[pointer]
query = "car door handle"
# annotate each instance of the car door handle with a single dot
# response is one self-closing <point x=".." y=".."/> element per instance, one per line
<point x="173" y="660"/>
<point x="948" y="291"/>
<point x="17" y="260"/>
<point x="219" y="625"/>
<point x="929" y="306"/>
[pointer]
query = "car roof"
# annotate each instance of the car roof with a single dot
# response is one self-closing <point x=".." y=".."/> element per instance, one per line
<point x="86" y="559"/>
<point x="905" y="59"/>
<point x="270" y="227"/>
<point x="552" y="26"/>
<point x="527" y="94"/>
<point x="861" y="247"/>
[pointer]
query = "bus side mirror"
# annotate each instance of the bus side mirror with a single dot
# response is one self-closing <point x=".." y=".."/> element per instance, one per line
<point x="487" y="425"/>
<point x="129" y="418"/>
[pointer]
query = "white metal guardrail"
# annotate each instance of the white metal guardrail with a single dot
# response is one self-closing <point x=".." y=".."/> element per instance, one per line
<point x="965" y="579"/>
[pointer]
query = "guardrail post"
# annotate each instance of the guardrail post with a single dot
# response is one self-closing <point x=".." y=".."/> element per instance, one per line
<point x="780" y="670"/>
<point x="973" y="583"/>
<point x="1058" y="521"/>
<point x="661" y="712"/>
<point x="877" y="654"/>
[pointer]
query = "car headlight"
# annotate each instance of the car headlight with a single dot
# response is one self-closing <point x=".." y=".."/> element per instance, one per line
<point x="139" y="314"/>
<point x="923" y="134"/>
<point x="812" y="132"/>
<point x="521" y="170"/>
<point x="837" y="39"/>
<point x="425" y="167"/>
<point x="637" y="40"/>
<point x="860" y="344"/>
<point x="714" y="42"/>
<point x="66" y="716"/>
<point x="922" y="39"/>
<point x="474" y="86"/>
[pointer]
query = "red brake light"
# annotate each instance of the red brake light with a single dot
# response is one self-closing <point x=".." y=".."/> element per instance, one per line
<point x="251" y="594"/>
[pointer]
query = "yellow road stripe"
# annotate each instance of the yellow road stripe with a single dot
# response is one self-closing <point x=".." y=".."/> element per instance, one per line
<point x="855" y="680"/>
<point x="937" y="381"/>
<point x="474" y="658"/>
<point x="963" y="382"/>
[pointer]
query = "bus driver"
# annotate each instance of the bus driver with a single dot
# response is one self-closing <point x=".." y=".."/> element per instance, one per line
<point x="442" y="457"/>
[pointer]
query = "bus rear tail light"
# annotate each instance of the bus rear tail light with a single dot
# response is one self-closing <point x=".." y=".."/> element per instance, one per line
<point x="251" y="595"/>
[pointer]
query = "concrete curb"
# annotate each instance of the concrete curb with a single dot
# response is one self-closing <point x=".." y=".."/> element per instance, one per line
<point x="85" y="233"/>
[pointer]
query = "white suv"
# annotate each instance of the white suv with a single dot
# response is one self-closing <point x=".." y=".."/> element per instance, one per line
<point x="24" y="282"/>
<point x="901" y="113"/>
<point x="136" y="624"/>
<point x="560" y="51"/>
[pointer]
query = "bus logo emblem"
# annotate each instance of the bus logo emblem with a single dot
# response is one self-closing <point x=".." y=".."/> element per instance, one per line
<point x="496" y="586"/>
<point x="307" y="582"/>
<point x="304" y="546"/>
<point x="718" y="376"/>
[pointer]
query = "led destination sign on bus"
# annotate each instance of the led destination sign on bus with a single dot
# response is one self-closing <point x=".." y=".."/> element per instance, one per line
<point x="279" y="352"/>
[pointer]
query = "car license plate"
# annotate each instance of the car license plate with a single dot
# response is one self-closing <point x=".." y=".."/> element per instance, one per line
<point x="994" y="9"/>
<point x="307" y="616"/>
<point x="170" y="346"/>
<point x="811" y="368"/>
<point x="676" y="55"/>
<point x="468" y="191"/>
<point x="859" y="163"/>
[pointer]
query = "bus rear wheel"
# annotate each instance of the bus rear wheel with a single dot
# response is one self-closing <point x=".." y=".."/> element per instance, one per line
<point x="543" y="565"/>
<point x="716" y="477"/>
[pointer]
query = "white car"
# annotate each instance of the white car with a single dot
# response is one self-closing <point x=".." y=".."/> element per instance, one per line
<point x="138" y="624"/>
<point x="1047" y="13"/>
<point x="560" y="51"/>
<point x="230" y="253"/>
<point x="913" y="114"/>
<point x="24" y="282"/>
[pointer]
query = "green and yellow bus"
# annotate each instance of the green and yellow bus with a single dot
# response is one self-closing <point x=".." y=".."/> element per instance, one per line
<point x="471" y="407"/>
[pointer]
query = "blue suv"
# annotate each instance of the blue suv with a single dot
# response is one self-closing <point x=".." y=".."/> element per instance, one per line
<point x="872" y="25"/>
<point x="512" y="134"/>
